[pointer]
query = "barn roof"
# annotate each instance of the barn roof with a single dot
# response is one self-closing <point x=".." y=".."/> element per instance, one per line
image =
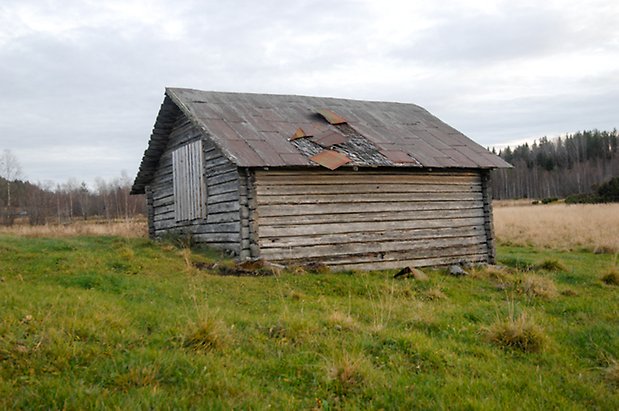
<point x="265" y="130"/>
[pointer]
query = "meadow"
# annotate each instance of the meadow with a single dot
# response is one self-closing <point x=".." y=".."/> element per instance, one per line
<point x="558" y="226"/>
<point x="98" y="322"/>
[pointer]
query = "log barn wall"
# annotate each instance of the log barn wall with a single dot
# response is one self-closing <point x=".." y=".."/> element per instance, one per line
<point x="372" y="219"/>
<point x="222" y="226"/>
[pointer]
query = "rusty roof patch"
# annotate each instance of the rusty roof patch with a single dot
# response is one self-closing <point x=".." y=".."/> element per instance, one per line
<point x="299" y="133"/>
<point x="330" y="159"/>
<point x="331" y="116"/>
<point x="330" y="138"/>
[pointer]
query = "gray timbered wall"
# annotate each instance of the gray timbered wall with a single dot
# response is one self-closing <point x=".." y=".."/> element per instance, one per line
<point x="372" y="219"/>
<point x="221" y="227"/>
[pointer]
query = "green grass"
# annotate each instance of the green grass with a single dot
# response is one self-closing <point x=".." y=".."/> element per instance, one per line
<point x="103" y="322"/>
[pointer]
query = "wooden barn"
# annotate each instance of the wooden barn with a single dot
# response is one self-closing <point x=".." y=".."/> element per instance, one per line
<point x="352" y="184"/>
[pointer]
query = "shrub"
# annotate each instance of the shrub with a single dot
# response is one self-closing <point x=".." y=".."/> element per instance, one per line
<point x="605" y="193"/>
<point x="519" y="333"/>
<point x="435" y="294"/>
<point x="609" y="191"/>
<point x="342" y="321"/>
<point x="551" y="265"/>
<point x="348" y="372"/>
<point x="206" y="336"/>
<point x="518" y="264"/>
<point x="536" y="286"/>
<point x="549" y="200"/>
<point x="582" y="199"/>
<point x="611" y="276"/>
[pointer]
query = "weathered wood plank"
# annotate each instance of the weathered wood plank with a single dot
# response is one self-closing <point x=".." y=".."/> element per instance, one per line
<point x="371" y="236"/>
<point x="230" y="176"/>
<point x="231" y="196"/>
<point x="370" y="217"/>
<point x="292" y="210"/>
<point x="356" y="227"/>
<point x="400" y="255"/>
<point x="227" y="187"/>
<point x="230" y="227"/>
<point x="349" y="198"/>
<point x="278" y="176"/>
<point x="419" y="262"/>
<point x="412" y="247"/>
<point x="364" y="189"/>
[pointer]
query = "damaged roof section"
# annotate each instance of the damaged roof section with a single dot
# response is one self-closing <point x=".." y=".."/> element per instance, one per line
<point x="330" y="159"/>
<point x="331" y="116"/>
<point x="264" y="130"/>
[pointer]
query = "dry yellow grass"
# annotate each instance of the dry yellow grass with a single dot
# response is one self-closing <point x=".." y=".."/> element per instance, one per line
<point x="133" y="228"/>
<point x="559" y="226"/>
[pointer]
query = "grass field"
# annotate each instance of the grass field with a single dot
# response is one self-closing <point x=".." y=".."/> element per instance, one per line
<point x="110" y="322"/>
<point x="593" y="227"/>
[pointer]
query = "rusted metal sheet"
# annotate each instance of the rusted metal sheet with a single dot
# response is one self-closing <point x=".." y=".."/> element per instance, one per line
<point x="299" y="133"/>
<point x="330" y="159"/>
<point x="330" y="138"/>
<point x="331" y="116"/>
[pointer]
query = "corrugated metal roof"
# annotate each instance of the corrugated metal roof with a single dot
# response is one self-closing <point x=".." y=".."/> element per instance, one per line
<point x="255" y="130"/>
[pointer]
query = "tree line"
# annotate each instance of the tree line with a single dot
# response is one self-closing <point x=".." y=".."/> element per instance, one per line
<point x="45" y="203"/>
<point x="555" y="168"/>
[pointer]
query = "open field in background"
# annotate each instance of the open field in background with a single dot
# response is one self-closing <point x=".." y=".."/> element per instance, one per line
<point x="133" y="228"/>
<point x="593" y="227"/>
<point x="122" y="323"/>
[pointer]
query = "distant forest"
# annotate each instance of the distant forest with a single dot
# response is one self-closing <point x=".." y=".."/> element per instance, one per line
<point x="556" y="168"/>
<point x="63" y="203"/>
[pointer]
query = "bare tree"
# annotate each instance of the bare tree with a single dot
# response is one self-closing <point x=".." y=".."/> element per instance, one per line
<point x="10" y="170"/>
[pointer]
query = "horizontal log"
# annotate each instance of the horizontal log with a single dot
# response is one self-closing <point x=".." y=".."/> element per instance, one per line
<point x="369" y="217"/>
<point x="228" y="238"/>
<point x="371" y="189"/>
<point x="330" y="228"/>
<point x="163" y="192"/>
<point x="371" y="236"/>
<point x="349" y="198"/>
<point x="277" y="210"/>
<point x="225" y="177"/>
<point x="163" y="209"/>
<point x="412" y="247"/>
<point x="223" y="198"/>
<point x="396" y="256"/>
<point x="230" y="227"/>
<point x="227" y="187"/>
<point x="291" y="175"/>
<point x="419" y="262"/>
<point x="364" y="179"/>
<point x="230" y="206"/>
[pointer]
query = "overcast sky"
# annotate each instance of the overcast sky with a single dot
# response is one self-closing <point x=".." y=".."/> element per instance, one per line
<point x="82" y="81"/>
